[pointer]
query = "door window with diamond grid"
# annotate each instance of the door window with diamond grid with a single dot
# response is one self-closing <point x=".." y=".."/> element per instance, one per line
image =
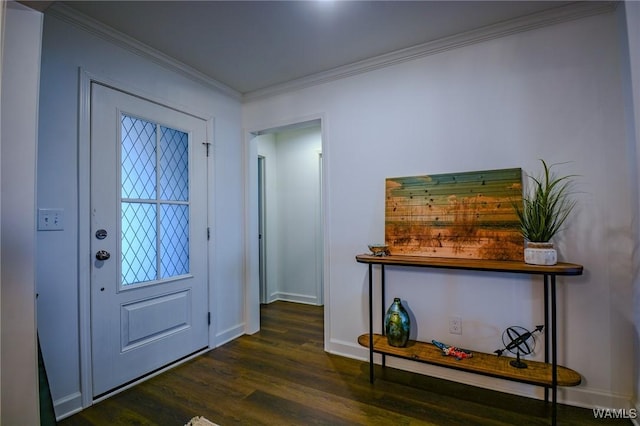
<point x="154" y="201"/>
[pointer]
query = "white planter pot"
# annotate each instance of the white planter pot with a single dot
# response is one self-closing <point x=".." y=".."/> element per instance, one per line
<point x="540" y="254"/>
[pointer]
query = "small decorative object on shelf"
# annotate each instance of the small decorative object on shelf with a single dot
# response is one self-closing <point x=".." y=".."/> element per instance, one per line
<point x="379" y="249"/>
<point x="397" y="324"/>
<point x="540" y="254"/>
<point x="519" y="340"/>
<point x="545" y="208"/>
<point x="453" y="351"/>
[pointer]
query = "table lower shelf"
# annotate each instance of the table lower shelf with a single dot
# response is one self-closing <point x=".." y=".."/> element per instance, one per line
<point x="537" y="373"/>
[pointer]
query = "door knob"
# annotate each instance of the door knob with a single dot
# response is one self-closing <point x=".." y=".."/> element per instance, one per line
<point x="103" y="255"/>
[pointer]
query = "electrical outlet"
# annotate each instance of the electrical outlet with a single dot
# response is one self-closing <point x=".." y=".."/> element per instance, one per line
<point x="455" y="325"/>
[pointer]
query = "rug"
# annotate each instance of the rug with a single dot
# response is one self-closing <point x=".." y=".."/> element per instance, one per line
<point x="200" y="421"/>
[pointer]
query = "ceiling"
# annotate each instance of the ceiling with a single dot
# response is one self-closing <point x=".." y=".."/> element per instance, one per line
<point x="253" y="45"/>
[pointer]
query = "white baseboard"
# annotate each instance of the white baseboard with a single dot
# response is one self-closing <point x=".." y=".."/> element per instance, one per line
<point x="590" y="398"/>
<point x="576" y="396"/>
<point x="67" y="405"/>
<point x="229" y="334"/>
<point x="294" y="297"/>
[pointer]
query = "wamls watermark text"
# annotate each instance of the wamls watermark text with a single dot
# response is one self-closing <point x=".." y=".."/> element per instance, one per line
<point x="615" y="413"/>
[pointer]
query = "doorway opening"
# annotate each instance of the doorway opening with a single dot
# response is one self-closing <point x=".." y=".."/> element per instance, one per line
<point x="290" y="243"/>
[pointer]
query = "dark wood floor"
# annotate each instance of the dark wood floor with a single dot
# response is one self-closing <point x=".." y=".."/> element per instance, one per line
<point x="282" y="376"/>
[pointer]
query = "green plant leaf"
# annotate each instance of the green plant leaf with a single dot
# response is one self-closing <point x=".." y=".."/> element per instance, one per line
<point x="546" y="206"/>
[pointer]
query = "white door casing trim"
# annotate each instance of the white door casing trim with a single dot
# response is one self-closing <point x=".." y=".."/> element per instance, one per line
<point x="86" y="78"/>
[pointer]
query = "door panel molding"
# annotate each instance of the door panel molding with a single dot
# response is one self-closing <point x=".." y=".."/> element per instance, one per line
<point x="137" y="330"/>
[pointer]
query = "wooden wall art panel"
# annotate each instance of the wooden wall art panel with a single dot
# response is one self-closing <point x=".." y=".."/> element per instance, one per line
<point x="462" y="215"/>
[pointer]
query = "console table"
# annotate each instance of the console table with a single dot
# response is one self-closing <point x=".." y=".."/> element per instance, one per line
<point x="547" y="374"/>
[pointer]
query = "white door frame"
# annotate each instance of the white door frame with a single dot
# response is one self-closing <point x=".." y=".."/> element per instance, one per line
<point x="84" y="224"/>
<point x="252" y="274"/>
<point x="262" y="232"/>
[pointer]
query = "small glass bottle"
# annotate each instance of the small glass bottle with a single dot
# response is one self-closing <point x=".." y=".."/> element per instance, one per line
<point x="397" y="324"/>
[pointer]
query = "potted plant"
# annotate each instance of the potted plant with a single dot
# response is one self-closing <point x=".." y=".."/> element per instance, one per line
<point x="545" y="208"/>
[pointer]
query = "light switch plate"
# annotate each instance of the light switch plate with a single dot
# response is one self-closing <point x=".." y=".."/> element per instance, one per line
<point x="50" y="219"/>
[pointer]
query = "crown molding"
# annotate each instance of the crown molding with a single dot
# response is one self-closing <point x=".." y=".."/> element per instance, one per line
<point x="86" y="23"/>
<point x="572" y="11"/>
<point x="38" y="5"/>
<point x="533" y="21"/>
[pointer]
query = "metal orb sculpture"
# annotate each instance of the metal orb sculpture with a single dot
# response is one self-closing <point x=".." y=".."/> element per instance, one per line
<point x="518" y="340"/>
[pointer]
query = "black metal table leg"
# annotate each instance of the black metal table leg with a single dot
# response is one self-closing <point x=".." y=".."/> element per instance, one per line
<point x="371" y="377"/>
<point x="554" y="354"/>
<point x="382" y="297"/>
<point x="546" y="328"/>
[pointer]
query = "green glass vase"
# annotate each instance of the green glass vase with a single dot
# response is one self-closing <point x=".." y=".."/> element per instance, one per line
<point x="397" y="324"/>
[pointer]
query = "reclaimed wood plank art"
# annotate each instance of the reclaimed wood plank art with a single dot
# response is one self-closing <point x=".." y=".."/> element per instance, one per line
<point x="461" y="215"/>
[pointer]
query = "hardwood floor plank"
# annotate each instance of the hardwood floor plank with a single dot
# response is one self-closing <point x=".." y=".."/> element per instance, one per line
<point x="282" y="376"/>
<point x="338" y="404"/>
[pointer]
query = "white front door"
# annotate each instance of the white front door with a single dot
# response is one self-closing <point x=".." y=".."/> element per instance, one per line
<point x="149" y="287"/>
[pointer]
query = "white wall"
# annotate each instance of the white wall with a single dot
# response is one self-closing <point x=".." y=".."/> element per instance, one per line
<point x="299" y="198"/>
<point x="552" y="93"/>
<point x="60" y="275"/>
<point x="293" y="213"/>
<point x="630" y="20"/>
<point x="20" y="74"/>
